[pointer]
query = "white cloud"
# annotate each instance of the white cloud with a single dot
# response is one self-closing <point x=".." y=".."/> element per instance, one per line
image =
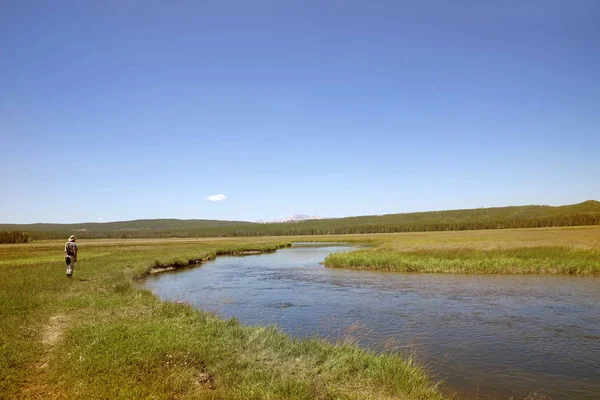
<point x="216" y="197"/>
<point x="100" y="219"/>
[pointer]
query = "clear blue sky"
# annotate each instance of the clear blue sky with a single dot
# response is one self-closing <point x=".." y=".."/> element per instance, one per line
<point x="117" y="110"/>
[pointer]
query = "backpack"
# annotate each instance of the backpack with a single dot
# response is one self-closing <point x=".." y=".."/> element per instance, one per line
<point x="70" y="248"/>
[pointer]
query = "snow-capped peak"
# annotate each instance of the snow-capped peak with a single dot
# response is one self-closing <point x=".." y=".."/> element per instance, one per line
<point x="294" y="218"/>
<point x="298" y="217"/>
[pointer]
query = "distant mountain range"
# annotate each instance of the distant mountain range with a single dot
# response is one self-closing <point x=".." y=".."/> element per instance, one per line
<point x="291" y="218"/>
<point x="533" y="216"/>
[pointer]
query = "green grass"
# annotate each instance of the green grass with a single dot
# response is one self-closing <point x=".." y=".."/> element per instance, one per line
<point x="99" y="336"/>
<point x="540" y="260"/>
<point x="528" y="251"/>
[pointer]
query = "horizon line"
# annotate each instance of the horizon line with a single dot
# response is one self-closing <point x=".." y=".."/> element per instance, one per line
<point x="273" y="221"/>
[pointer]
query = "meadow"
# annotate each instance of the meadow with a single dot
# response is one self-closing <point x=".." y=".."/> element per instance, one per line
<point x="97" y="335"/>
<point x="573" y="250"/>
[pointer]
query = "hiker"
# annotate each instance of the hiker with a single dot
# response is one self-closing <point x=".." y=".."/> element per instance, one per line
<point x="71" y="255"/>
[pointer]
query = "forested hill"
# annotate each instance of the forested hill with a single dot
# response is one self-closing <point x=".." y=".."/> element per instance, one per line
<point x="135" y="228"/>
<point x="586" y="213"/>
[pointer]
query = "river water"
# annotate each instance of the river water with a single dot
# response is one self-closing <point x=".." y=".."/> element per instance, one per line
<point x="485" y="336"/>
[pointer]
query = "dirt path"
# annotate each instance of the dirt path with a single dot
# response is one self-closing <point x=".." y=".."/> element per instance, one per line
<point x="38" y="387"/>
<point x="54" y="330"/>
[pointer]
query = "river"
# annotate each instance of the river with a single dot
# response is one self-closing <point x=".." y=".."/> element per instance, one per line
<point x="485" y="336"/>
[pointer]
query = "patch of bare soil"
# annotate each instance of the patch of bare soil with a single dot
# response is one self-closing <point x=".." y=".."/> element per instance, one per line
<point x="159" y="270"/>
<point x="247" y="252"/>
<point x="206" y="380"/>
<point x="54" y="330"/>
<point x="38" y="388"/>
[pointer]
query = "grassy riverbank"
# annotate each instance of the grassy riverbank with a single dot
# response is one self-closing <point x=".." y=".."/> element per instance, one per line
<point x="98" y="336"/>
<point x="515" y="251"/>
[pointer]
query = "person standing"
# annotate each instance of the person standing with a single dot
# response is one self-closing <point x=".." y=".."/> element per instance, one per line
<point x="71" y="255"/>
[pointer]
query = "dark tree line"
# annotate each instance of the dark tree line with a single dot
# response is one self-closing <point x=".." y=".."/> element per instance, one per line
<point x="14" y="237"/>
<point x="342" y="226"/>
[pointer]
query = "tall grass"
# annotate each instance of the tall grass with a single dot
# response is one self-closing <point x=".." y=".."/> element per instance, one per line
<point x="98" y="336"/>
<point x="528" y="251"/>
<point x="539" y="260"/>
